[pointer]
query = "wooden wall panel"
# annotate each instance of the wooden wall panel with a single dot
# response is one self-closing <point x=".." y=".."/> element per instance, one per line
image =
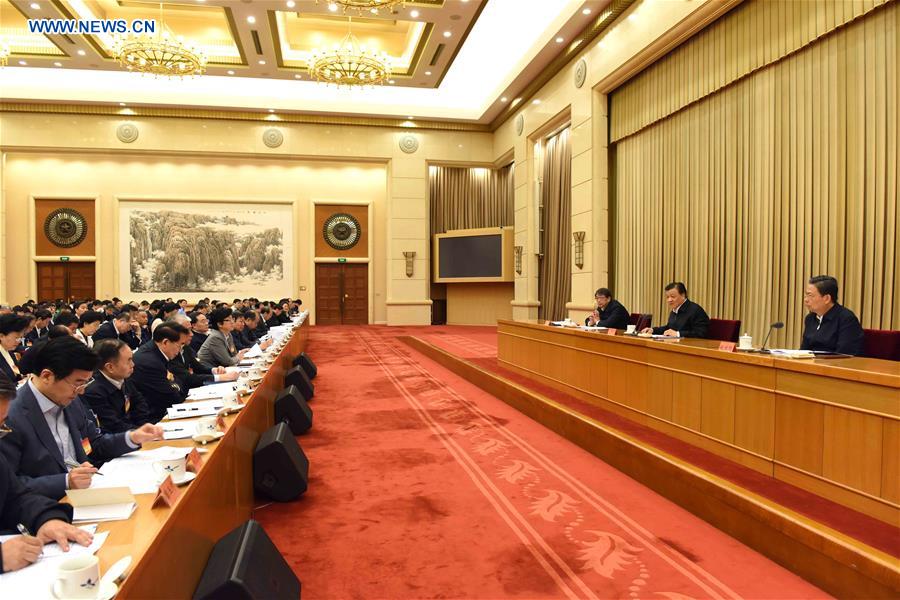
<point x="890" y="462"/>
<point x="659" y="394"/>
<point x="754" y="421"/>
<point x="323" y="211"/>
<point x="799" y="433"/>
<point x="717" y="410"/>
<point x="44" y="247"/>
<point x="686" y="401"/>
<point x="853" y="449"/>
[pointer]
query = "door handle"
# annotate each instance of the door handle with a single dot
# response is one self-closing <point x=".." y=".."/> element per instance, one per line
<point x="346" y="296"/>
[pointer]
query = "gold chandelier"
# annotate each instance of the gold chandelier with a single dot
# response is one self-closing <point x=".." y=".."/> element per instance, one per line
<point x="350" y="64"/>
<point x="361" y="6"/>
<point x="160" y="53"/>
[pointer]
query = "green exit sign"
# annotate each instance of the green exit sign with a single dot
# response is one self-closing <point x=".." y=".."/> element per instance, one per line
<point x="64" y="258"/>
<point x="342" y="260"/>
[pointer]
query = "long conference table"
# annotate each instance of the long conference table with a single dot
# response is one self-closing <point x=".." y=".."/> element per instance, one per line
<point x="830" y="426"/>
<point x="170" y="546"/>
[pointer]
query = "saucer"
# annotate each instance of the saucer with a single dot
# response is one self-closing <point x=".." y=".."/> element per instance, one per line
<point x="205" y="438"/>
<point x="189" y="476"/>
<point x="107" y="591"/>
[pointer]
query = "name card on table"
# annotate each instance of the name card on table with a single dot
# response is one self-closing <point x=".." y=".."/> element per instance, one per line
<point x="194" y="461"/>
<point x="220" y="422"/>
<point x="611" y="331"/>
<point x="726" y="346"/>
<point x="167" y="494"/>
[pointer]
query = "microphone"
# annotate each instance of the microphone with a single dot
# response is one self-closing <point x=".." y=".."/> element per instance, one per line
<point x="776" y="325"/>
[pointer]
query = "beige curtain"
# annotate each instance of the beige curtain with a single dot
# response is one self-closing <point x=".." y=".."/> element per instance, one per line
<point x="462" y="198"/>
<point x="555" y="278"/>
<point x="786" y="173"/>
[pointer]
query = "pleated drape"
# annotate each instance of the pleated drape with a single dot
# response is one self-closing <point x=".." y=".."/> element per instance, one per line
<point x="786" y="173"/>
<point x="555" y="278"/>
<point x="469" y="198"/>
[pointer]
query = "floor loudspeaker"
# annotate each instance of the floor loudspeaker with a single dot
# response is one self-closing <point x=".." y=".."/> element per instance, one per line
<point x="308" y="365"/>
<point x="280" y="469"/>
<point x="291" y="408"/>
<point x="297" y="377"/>
<point x="246" y="565"/>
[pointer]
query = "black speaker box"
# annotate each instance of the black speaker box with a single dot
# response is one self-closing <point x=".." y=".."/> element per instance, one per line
<point x="246" y="565"/>
<point x="303" y="360"/>
<point x="291" y="408"/>
<point x="297" y="377"/>
<point x="280" y="469"/>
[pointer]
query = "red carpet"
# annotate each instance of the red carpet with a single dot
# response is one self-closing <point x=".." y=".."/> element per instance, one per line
<point x="423" y="486"/>
<point x="479" y="346"/>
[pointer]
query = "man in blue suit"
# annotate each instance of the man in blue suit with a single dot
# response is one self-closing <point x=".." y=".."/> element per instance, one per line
<point x="121" y="327"/>
<point x="52" y="431"/>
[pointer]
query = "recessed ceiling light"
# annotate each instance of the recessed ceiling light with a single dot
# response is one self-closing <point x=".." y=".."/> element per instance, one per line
<point x="262" y="62"/>
<point x="81" y="53"/>
<point x="503" y="99"/>
<point x="298" y="76"/>
<point x="560" y="40"/>
<point x="57" y="64"/>
<point x="414" y="14"/>
<point x="23" y="63"/>
<point x="251" y="19"/>
<point x="291" y="4"/>
<point x="428" y="72"/>
<point x="271" y="110"/>
<point x="632" y="16"/>
<point x="122" y="104"/>
<point x="230" y="72"/>
<point x="35" y="6"/>
<point x="447" y="34"/>
<point x="535" y="101"/>
<point x="410" y="118"/>
<point x="391" y="81"/>
<point x="332" y="7"/>
<point x="586" y="11"/>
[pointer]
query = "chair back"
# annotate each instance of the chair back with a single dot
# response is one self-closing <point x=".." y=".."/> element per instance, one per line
<point x="724" y="330"/>
<point x="640" y="320"/>
<point x="881" y="343"/>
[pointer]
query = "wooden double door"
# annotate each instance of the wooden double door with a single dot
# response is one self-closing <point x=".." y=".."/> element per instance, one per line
<point x="342" y="294"/>
<point x="66" y="280"/>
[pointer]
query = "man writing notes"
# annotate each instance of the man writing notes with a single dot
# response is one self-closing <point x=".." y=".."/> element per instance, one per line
<point x="46" y="518"/>
<point x="609" y="313"/>
<point x="687" y="319"/>
<point x="829" y="327"/>
<point x="54" y="435"/>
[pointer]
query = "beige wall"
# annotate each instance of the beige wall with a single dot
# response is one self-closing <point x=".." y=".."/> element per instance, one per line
<point x="65" y="155"/>
<point x="586" y="110"/>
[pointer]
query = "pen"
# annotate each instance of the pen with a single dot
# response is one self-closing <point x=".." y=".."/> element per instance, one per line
<point x="75" y="465"/>
<point x="23" y="530"/>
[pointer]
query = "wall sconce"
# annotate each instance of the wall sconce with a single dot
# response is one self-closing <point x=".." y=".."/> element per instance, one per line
<point x="410" y="257"/>
<point x="518" y="250"/>
<point x="579" y="248"/>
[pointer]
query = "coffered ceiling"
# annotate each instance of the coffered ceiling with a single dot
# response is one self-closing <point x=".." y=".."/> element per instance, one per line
<point x="451" y="59"/>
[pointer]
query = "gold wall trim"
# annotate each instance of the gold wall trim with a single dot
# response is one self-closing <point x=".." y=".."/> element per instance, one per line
<point x="199" y="113"/>
<point x="753" y="35"/>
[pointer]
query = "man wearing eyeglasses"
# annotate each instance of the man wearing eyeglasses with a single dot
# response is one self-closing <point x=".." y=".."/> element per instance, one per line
<point x="49" y="520"/>
<point x="55" y="443"/>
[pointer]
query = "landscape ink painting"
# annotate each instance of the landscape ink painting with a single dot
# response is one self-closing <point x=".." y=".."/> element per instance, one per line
<point x="229" y="249"/>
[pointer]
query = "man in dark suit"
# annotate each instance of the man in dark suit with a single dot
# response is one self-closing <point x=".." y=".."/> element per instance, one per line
<point x="143" y="321"/>
<point x="610" y="312"/>
<point x="49" y="520"/>
<point x="199" y="330"/>
<point x="274" y="318"/>
<point x="41" y="326"/>
<point x="152" y="376"/>
<point x="829" y="327"/>
<point x="687" y="318"/>
<point x="121" y="327"/>
<point x="52" y="430"/>
<point x="189" y="371"/>
<point x="237" y="334"/>
<point x="262" y="327"/>
<point x="116" y="402"/>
